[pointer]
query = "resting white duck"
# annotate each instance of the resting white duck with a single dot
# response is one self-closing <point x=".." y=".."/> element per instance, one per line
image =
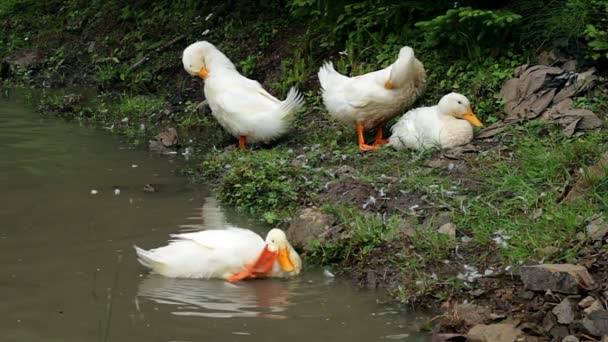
<point x="446" y="125"/>
<point x="239" y="104"/>
<point x="231" y="254"/>
<point x="368" y="101"/>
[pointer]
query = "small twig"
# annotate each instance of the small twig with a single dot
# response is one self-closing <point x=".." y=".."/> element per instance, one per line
<point x="138" y="63"/>
<point x="159" y="49"/>
<point x="111" y="300"/>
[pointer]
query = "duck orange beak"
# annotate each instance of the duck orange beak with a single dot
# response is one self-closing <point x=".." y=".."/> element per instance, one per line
<point x="284" y="260"/>
<point x="203" y="73"/>
<point x="470" y="117"/>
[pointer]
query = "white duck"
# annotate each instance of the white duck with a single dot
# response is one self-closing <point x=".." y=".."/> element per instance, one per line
<point x="239" y="104"/>
<point x="231" y="254"/>
<point x="368" y="101"/>
<point x="446" y="125"/>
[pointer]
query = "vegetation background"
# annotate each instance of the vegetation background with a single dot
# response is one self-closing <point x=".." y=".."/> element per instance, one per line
<point x="512" y="191"/>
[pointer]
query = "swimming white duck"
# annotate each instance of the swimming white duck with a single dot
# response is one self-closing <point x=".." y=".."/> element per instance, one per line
<point x="446" y="125"/>
<point x="231" y="254"/>
<point x="368" y="101"/>
<point x="239" y="104"/>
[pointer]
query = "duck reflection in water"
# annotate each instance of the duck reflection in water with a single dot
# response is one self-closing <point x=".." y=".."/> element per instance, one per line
<point x="219" y="299"/>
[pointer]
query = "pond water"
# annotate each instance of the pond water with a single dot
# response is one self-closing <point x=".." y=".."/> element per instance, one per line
<point x="68" y="271"/>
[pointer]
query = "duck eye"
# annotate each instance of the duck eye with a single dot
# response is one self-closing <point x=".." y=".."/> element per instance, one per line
<point x="272" y="241"/>
<point x="459" y="102"/>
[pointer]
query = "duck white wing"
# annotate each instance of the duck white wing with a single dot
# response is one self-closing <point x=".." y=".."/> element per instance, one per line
<point x="206" y="254"/>
<point x="340" y="91"/>
<point x="418" y="128"/>
<point x="246" y="109"/>
<point x="229" y="238"/>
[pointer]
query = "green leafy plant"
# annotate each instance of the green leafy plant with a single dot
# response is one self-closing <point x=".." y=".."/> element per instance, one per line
<point x="469" y="29"/>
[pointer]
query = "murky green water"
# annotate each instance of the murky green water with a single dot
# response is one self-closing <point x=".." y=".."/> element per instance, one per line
<point x="68" y="271"/>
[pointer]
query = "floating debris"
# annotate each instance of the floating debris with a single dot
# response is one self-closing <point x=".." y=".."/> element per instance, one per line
<point x="150" y="188"/>
<point x="94" y="192"/>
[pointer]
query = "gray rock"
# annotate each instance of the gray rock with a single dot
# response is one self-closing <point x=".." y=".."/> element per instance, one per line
<point x="571" y="338"/>
<point x="549" y="321"/>
<point x="163" y="140"/>
<point x="308" y="224"/>
<point x="597" y="229"/>
<point x="562" y="278"/>
<point x="26" y="59"/>
<point x="596" y="323"/>
<point x="586" y="302"/>
<point x="559" y="331"/>
<point x="595" y="306"/>
<point x="564" y="311"/>
<point x="448" y="229"/>
<point x="494" y="333"/>
<point x="473" y="314"/>
<point x="439" y="219"/>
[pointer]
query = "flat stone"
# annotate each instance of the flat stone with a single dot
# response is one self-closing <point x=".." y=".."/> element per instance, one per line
<point x="306" y="225"/>
<point x="473" y="314"/>
<point x="597" y="229"/>
<point x="448" y="229"/>
<point x="494" y="333"/>
<point x="564" y="311"/>
<point x="559" y="331"/>
<point x="595" y="306"/>
<point x="562" y="278"/>
<point x="549" y="321"/>
<point x="26" y="58"/>
<point x="586" y="302"/>
<point x="167" y="138"/>
<point x="596" y="323"/>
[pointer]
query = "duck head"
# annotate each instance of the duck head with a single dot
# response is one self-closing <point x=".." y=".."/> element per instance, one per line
<point x="289" y="260"/>
<point x="202" y="57"/>
<point x="458" y="106"/>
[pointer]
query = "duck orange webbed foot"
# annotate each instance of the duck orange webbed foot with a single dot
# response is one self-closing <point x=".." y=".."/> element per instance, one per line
<point x="365" y="147"/>
<point x="243" y="142"/>
<point x="379" y="141"/>
<point x="240" y="276"/>
<point x="362" y="145"/>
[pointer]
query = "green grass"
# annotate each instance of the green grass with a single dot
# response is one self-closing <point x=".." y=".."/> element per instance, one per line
<point x="523" y="195"/>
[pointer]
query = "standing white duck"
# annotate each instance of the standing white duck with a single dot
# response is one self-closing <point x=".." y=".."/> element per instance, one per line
<point x="231" y="254"/>
<point x="446" y="125"/>
<point x="239" y="104"/>
<point x="368" y="101"/>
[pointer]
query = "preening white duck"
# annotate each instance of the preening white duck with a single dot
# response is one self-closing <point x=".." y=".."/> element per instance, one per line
<point x="368" y="101"/>
<point x="231" y="254"/>
<point x="239" y="104"/>
<point x="446" y="125"/>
